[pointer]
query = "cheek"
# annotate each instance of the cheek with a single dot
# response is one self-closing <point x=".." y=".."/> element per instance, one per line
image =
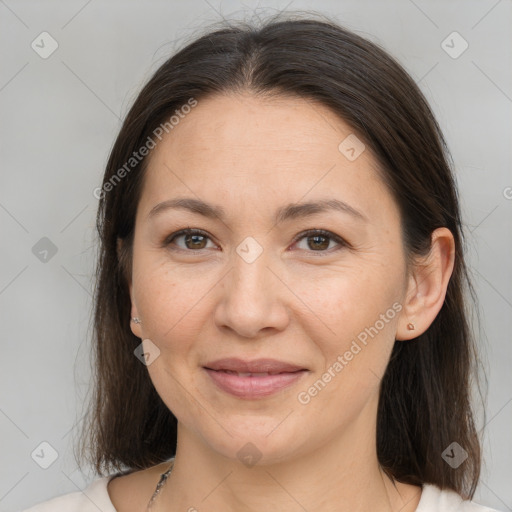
<point x="170" y="305"/>
<point x="164" y="294"/>
<point x="355" y="357"/>
<point x="344" y="302"/>
<point x="353" y="328"/>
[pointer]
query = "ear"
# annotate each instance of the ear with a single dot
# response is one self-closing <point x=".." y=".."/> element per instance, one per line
<point x="427" y="286"/>
<point x="134" y="313"/>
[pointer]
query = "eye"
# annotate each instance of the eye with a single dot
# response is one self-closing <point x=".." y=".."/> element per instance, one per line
<point x="194" y="239"/>
<point x="318" y="240"/>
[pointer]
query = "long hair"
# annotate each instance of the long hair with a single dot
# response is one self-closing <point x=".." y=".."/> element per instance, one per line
<point x="425" y="394"/>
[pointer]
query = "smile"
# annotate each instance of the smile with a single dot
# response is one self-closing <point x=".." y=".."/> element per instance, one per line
<point x="252" y="380"/>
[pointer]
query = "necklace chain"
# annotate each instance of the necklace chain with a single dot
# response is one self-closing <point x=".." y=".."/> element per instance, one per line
<point x="161" y="482"/>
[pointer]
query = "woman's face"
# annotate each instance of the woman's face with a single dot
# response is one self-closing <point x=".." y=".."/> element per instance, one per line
<point x="252" y="285"/>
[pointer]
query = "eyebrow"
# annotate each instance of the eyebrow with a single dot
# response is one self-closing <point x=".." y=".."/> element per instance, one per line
<point x="284" y="213"/>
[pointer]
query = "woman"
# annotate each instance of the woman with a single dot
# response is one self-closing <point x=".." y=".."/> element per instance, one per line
<point x="280" y="317"/>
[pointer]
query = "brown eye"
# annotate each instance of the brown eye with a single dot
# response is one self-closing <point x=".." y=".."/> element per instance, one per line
<point x="194" y="239"/>
<point x="319" y="240"/>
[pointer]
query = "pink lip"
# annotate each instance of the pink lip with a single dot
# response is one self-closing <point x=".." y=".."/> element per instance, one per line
<point x="251" y="387"/>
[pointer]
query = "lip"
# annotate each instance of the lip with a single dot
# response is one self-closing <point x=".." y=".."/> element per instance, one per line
<point x="255" y="366"/>
<point x="231" y="376"/>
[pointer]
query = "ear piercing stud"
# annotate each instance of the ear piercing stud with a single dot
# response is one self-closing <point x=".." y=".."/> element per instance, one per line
<point x="410" y="327"/>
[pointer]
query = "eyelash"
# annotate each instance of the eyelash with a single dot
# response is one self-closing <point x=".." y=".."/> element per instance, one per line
<point x="300" y="236"/>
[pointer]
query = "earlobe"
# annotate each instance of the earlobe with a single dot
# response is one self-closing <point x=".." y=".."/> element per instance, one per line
<point x="134" y="315"/>
<point x="135" y="322"/>
<point x="427" y="286"/>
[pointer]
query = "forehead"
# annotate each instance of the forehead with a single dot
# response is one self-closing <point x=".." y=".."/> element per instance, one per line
<point x="235" y="123"/>
<point x="254" y="150"/>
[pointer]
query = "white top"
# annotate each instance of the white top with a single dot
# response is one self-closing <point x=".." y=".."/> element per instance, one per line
<point x="95" y="498"/>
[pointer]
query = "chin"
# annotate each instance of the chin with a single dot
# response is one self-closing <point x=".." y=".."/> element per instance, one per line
<point x="257" y="440"/>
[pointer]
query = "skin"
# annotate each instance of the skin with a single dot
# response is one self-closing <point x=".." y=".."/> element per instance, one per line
<point x="295" y="303"/>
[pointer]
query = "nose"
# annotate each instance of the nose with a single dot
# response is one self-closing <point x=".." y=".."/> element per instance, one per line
<point x="253" y="299"/>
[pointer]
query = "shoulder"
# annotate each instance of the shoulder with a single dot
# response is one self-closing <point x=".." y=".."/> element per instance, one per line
<point x="114" y="493"/>
<point x="95" y="496"/>
<point x="446" y="500"/>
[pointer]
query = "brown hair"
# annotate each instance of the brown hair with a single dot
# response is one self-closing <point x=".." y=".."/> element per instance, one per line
<point x="424" y="401"/>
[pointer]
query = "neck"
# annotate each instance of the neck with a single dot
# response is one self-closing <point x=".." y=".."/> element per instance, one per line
<point x="342" y="475"/>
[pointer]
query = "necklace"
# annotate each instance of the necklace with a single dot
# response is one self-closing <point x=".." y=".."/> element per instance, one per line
<point x="161" y="482"/>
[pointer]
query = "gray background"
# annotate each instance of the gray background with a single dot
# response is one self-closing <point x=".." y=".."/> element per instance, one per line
<point x="60" y="116"/>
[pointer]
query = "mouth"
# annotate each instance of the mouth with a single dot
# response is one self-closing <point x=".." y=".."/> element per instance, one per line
<point x="251" y="374"/>
<point x="252" y="380"/>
